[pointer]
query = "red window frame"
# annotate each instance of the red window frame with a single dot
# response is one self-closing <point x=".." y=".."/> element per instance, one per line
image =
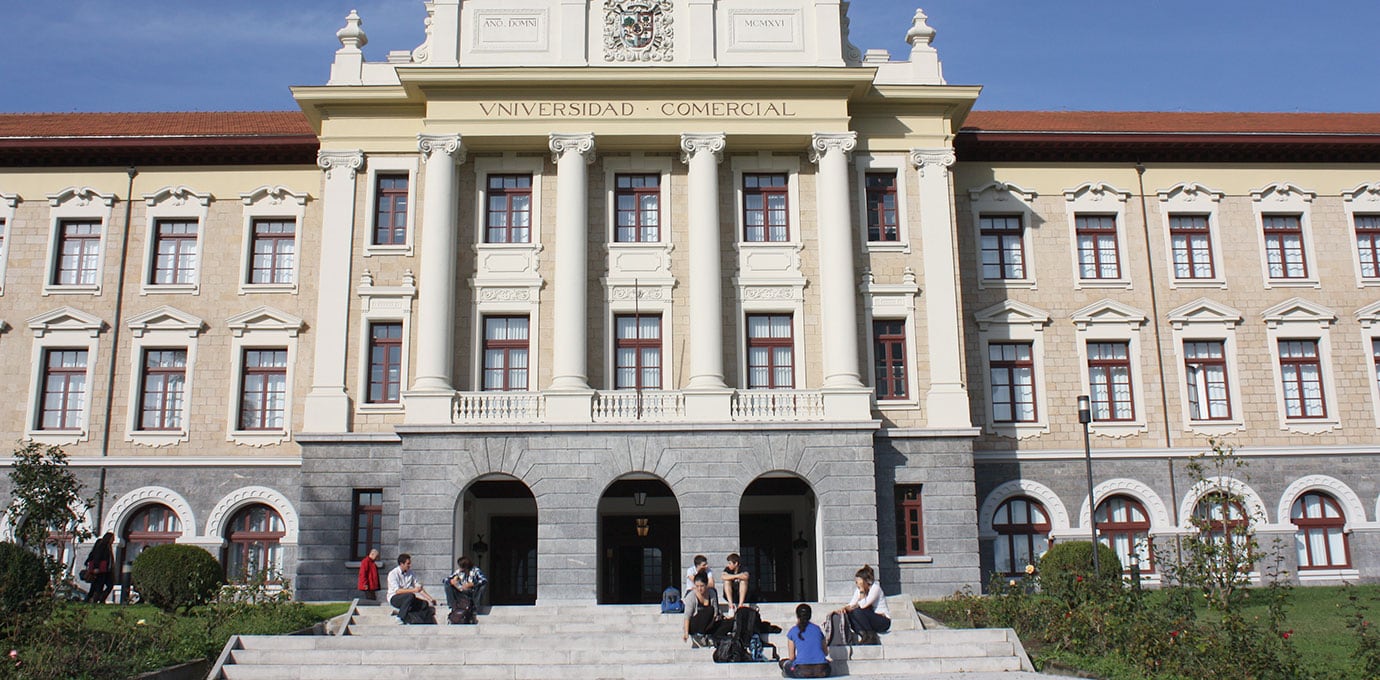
<point x="243" y="539"/>
<point x="1006" y="361"/>
<point x="78" y="253"/>
<point x="883" y="212"/>
<point x="273" y="252"/>
<point x="1135" y="532"/>
<point x="390" y="209"/>
<point x="1295" y="358"/>
<point x="1200" y="356"/>
<point x="644" y="352"/>
<point x="507" y="374"/>
<point x="154" y="524"/>
<point x="262" y="365"/>
<point x="1375" y="359"/>
<point x="1103" y="371"/>
<point x="385" y="362"/>
<point x="161" y="401"/>
<point x="1094" y="233"/>
<point x="1307" y="525"/>
<point x="910" y="520"/>
<point x="1278" y="228"/>
<point x="770" y="344"/>
<point x="366" y="532"/>
<point x="1368" y="245"/>
<point x="889" y="359"/>
<point x="507" y="217"/>
<point x="1231" y="525"/>
<point x="634" y="220"/>
<point x="997" y="234"/>
<point x="1185" y="232"/>
<point x="64" y="387"/>
<point x="766" y="208"/>
<point x="1024" y="529"/>
<point x="174" y="252"/>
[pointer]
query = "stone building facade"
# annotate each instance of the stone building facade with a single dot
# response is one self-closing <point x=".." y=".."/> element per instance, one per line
<point x="584" y="290"/>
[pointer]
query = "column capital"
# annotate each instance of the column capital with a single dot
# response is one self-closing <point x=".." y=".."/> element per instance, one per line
<point x="450" y="145"/>
<point x="350" y="161"/>
<point x="925" y="159"/>
<point x="824" y="142"/>
<point x="581" y="143"/>
<point x="693" y="143"/>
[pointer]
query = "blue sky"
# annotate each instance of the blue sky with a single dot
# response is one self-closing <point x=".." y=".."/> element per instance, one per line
<point x="1170" y="55"/>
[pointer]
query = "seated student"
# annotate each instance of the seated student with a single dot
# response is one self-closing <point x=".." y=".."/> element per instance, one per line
<point x="867" y="612"/>
<point x="701" y="613"/>
<point x="465" y="582"/>
<point x="701" y="567"/>
<point x="735" y="583"/>
<point x="807" y="655"/>
<point x="405" y="591"/>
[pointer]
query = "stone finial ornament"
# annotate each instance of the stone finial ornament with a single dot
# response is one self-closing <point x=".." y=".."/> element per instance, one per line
<point x="352" y="37"/>
<point x="920" y="31"/>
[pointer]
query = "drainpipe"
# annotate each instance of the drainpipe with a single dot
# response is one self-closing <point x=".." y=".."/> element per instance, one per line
<point x="1154" y="308"/>
<point x="116" y="323"/>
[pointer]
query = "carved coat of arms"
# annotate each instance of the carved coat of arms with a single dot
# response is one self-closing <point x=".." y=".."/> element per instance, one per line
<point x="638" y="30"/>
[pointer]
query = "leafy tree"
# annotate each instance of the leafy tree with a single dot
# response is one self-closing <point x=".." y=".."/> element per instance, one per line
<point x="46" y="496"/>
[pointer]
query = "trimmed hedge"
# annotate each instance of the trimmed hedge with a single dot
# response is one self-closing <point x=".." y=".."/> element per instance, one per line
<point x="173" y="577"/>
<point x="23" y="578"/>
<point x="1066" y="571"/>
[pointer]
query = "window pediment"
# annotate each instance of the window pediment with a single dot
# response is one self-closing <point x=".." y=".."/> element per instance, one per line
<point x="166" y="318"/>
<point x="1366" y="196"/>
<point x="10" y="201"/>
<point x="82" y="197"/>
<point x="1108" y="312"/>
<point x="1011" y="313"/>
<point x="274" y="195"/>
<point x="1204" y="311"/>
<point x="1187" y="194"/>
<point x="177" y="196"/>
<point x="1369" y="316"/>
<point x="265" y="319"/>
<point x="1298" y="310"/>
<point x="999" y="192"/>
<point x="1090" y="194"/>
<point x="66" y="319"/>
<point x="1282" y="194"/>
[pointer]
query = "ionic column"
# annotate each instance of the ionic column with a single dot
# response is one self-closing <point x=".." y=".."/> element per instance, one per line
<point x="946" y="403"/>
<point x="703" y="152"/>
<point x="327" y="406"/>
<point x="837" y="282"/>
<point x="436" y="282"/>
<point x="572" y="154"/>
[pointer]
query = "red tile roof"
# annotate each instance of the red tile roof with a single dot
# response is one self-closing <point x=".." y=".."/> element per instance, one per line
<point x="1160" y="122"/>
<point x="154" y="125"/>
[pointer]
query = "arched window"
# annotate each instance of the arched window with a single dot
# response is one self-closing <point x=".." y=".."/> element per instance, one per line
<point x="1124" y="526"/>
<point x="1220" y="516"/>
<point x="1022" y="527"/>
<point x="1320" y="539"/>
<point x="153" y="524"/>
<point x="253" y="542"/>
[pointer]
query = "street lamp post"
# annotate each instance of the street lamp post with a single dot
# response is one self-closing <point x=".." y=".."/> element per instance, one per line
<point x="1085" y="417"/>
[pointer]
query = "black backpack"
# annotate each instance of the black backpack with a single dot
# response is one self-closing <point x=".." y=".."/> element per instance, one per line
<point x="738" y="646"/>
<point x="463" y="613"/>
<point x="420" y="616"/>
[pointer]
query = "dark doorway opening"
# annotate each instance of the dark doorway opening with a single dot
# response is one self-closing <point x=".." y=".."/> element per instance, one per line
<point x="776" y="523"/>
<point x="498" y="518"/>
<point x="639" y="541"/>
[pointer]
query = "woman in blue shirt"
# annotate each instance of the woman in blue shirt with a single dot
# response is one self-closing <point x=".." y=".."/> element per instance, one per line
<point x="806" y="654"/>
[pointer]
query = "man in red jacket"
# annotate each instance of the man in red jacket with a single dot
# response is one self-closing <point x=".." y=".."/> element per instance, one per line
<point x="369" y="576"/>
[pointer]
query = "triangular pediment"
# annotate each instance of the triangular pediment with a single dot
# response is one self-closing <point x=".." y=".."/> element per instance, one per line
<point x="1011" y="313"/>
<point x="1369" y="315"/>
<point x="166" y="318"/>
<point x="1108" y="311"/>
<point x="1298" y="310"/>
<point x="265" y="319"/>
<point x="1204" y="311"/>
<point x="66" y="319"/>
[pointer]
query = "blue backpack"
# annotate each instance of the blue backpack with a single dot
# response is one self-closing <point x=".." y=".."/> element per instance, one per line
<point x="670" y="602"/>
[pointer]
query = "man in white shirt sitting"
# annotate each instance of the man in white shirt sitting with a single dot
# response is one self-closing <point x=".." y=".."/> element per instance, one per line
<point x="406" y="594"/>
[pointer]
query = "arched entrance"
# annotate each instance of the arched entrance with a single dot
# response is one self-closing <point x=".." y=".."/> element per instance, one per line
<point x="776" y="524"/>
<point x="497" y="528"/>
<point x="639" y="541"/>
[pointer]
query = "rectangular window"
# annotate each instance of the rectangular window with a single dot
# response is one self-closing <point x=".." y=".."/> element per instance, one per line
<point x="1284" y="247"/>
<point x="1013" y="382"/>
<point x="385" y="362"/>
<point x="390" y="210"/>
<point x="1300" y="368"/>
<point x="78" y="253"/>
<point x="1191" y="241"/>
<point x="1375" y="359"/>
<point x="889" y="356"/>
<point x="505" y="353"/>
<point x="1368" y="243"/>
<point x="164" y="389"/>
<point x="367" y="532"/>
<point x="637" y="352"/>
<point x="1205" y="365"/>
<point x="508" y="216"/>
<point x="1098" y="256"/>
<point x="174" y="252"/>
<point x="274" y="251"/>
<point x="1109" y="378"/>
<point x="63" y="397"/>
<point x="770" y="352"/>
<point x="1003" y="249"/>
<point x="883" y="220"/>
<point x="263" y="390"/>
<point x="638" y="213"/>
<point x="766" y="212"/>
<point x="910" y="521"/>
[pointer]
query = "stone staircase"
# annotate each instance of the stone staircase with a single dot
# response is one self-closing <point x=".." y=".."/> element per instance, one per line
<point x="588" y="642"/>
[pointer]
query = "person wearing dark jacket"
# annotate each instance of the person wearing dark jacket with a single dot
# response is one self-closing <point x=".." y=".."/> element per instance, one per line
<point x="98" y="569"/>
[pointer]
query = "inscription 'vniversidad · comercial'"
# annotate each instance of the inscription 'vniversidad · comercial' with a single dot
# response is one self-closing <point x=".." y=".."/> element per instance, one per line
<point x="613" y="109"/>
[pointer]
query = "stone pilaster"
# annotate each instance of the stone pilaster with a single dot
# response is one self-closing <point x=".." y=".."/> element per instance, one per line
<point x="327" y="406"/>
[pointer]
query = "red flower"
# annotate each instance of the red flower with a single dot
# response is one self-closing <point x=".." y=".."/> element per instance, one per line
<point x="1173" y="633"/>
<point x="1287" y="633"/>
<point x="1078" y="579"/>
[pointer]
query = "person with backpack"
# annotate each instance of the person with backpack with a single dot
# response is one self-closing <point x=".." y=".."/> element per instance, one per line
<point x="98" y="572"/>
<point x="701" y="613"/>
<point x="867" y="612"/>
<point x="807" y="656"/>
<point x="463" y="590"/>
<point x="408" y="596"/>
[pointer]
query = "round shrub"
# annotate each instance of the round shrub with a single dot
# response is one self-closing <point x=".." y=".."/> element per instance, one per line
<point x="1066" y="571"/>
<point x="23" y="578"/>
<point x="176" y="576"/>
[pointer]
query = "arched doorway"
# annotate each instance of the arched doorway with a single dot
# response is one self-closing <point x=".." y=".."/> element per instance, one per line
<point x="639" y="541"/>
<point x="497" y="528"/>
<point x="776" y="524"/>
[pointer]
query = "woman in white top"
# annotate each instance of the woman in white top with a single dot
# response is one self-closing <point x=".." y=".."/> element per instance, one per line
<point x="867" y="612"/>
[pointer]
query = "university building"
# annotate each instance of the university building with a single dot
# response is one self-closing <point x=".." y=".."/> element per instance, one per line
<point x="584" y="289"/>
